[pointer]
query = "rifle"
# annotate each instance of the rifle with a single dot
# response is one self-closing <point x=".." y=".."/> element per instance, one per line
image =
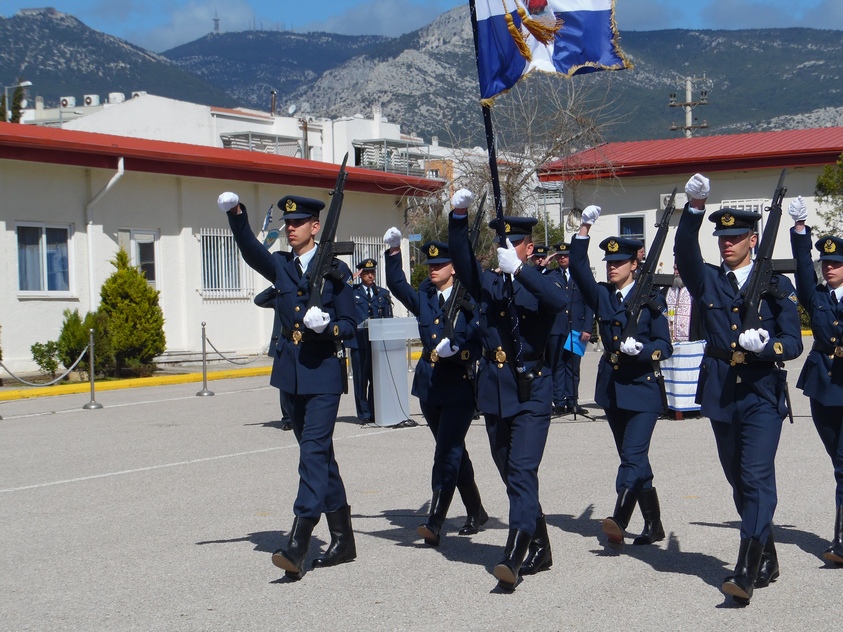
<point x="323" y="267"/>
<point x="458" y="293"/>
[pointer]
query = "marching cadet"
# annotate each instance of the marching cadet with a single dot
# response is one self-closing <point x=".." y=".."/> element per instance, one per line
<point x="308" y="370"/>
<point x="742" y="387"/>
<point x="576" y="320"/>
<point x="517" y="409"/>
<point x="822" y="374"/>
<point x="443" y="381"/>
<point x="371" y="301"/>
<point x="628" y="386"/>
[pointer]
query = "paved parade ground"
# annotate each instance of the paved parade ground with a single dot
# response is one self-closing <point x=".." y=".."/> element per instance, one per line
<point x="160" y="512"/>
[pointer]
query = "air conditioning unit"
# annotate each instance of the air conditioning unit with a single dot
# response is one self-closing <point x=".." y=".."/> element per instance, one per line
<point x="92" y="99"/>
<point x="138" y="93"/>
<point x="679" y="201"/>
<point x="67" y="102"/>
<point x="116" y="97"/>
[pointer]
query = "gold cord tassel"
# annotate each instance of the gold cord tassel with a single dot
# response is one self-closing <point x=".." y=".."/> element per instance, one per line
<point x="519" y="39"/>
<point x="544" y="30"/>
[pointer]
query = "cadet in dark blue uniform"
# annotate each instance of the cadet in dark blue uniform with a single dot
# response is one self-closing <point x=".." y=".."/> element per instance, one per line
<point x="371" y="301"/>
<point x="563" y="360"/>
<point x="517" y="427"/>
<point x="307" y="368"/>
<point x="628" y="386"/>
<point x="742" y="387"/>
<point x="822" y="374"/>
<point x="443" y="381"/>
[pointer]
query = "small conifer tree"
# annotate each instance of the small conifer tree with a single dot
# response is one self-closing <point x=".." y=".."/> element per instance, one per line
<point x="75" y="336"/>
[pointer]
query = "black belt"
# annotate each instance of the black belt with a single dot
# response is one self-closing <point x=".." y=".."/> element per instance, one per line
<point x="499" y="356"/>
<point x="827" y="349"/>
<point x="735" y="356"/>
<point x="619" y="358"/>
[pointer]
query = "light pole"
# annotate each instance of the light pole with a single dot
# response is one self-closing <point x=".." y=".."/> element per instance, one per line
<point x="22" y="84"/>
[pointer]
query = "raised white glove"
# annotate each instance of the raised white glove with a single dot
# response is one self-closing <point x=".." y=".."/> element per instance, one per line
<point x="754" y="340"/>
<point x="444" y="348"/>
<point x="227" y="201"/>
<point x="698" y="187"/>
<point x="462" y="199"/>
<point x="797" y="210"/>
<point x="392" y="237"/>
<point x="316" y="319"/>
<point x="590" y="214"/>
<point x="631" y="346"/>
<point x="508" y="259"/>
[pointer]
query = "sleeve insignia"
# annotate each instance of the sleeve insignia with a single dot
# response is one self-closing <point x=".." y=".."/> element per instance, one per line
<point x="657" y="355"/>
<point x="778" y="348"/>
<point x="336" y="331"/>
<point x="793" y="298"/>
<point x="465" y="355"/>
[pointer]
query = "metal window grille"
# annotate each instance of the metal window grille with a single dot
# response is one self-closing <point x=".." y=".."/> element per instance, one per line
<point x="224" y="273"/>
<point x="369" y="248"/>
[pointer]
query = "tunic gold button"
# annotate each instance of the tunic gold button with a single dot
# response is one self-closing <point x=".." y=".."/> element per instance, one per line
<point x="436" y="322"/>
<point x="734" y="344"/>
<point x="296" y="326"/>
<point x="616" y="367"/>
<point x="835" y="323"/>
<point x="614" y="337"/>
<point x="834" y="340"/>
<point x="298" y="309"/>
<point x="734" y="327"/>
<point x="734" y="309"/>
<point x="433" y="336"/>
<point x="300" y="293"/>
<point x="648" y="378"/>
<point x="503" y="313"/>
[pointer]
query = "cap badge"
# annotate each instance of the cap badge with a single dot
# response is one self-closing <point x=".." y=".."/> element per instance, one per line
<point x="829" y="246"/>
<point x="612" y="246"/>
<point x="291" y="206"/>
<point x="727" y="220"/>
<point x="433" y="251"/>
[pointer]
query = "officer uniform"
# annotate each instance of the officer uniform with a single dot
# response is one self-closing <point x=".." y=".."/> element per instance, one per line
<point x="370" y="302"/>
<point x="445" y="388"/>
<point x="517" y="427"/>
<point x="563" y="361"/>
<point x="822" y="374"/>
<point x="629" y="387"/>
<point x="741" y="392"/>
<point x="310" y="373"/>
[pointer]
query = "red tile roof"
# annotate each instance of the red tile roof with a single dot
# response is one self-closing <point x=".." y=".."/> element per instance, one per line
<point x="86" y="149"/>
<point x="758" y="150"/>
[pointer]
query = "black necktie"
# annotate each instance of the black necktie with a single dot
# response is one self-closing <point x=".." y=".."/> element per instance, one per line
<point x="299" y="268"/>
<point x="369" y="292"/>
<point x="441" y="300"/>
<point x="620" y="297"/>
<point x="733" y="280"/>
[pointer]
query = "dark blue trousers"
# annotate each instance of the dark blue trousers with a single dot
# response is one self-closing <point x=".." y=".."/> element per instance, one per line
<point x="321" y="489"/>
<point x="452" y="466"/>
<point x="565" y="365"/>
<point x="361" y="366"/>
<point x="828" y="420"/>
<point x="632" y="432"/>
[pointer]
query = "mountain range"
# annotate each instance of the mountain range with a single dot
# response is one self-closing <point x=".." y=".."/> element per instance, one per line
<point x="427" y="80"/>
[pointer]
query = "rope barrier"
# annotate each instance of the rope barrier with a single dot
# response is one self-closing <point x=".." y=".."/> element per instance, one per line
<point x="255" y="359"/>
<point x="55" y="381"/>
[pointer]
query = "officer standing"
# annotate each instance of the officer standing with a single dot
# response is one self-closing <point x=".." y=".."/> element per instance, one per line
<point x="577" y="320"/>
<point x="517" y="410"/>
<point x="371" y="301"/>
<point x="628" y="386"/>
<point x="742" y="385"/>
<point x="443" y="380"/>
<point x="307" y="368"/>
<point x="822" y="374"/>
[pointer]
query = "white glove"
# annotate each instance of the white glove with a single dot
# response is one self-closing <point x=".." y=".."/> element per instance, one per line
<point x="444" y="348"/>
<point x="698" y="187"/>
<point x="462" y="199"/>
<point x="508" y="259"/>
<point x="392" y="237"/>
<point x="316" y="319"/>
<point x="590" y="214"/>
<point x="227" y="201"/>
<point x="797" y="210"/>
<point x="631" y="346"/>
<point x="754" y="340"/>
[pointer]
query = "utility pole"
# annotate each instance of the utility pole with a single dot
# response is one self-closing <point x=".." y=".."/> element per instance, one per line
<point x="688" y="105"/>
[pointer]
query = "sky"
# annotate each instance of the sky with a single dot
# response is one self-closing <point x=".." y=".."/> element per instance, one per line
<point x="159" y="25"/>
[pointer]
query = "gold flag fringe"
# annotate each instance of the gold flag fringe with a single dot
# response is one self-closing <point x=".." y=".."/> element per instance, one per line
<point x="544" y="29"/>
<point x="523" y="48"/>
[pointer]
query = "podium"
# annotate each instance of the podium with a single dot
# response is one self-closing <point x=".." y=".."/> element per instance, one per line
<point x="388" y="340"/>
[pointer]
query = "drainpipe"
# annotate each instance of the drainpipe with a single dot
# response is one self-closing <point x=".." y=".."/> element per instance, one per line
<point x="89" y="214"/>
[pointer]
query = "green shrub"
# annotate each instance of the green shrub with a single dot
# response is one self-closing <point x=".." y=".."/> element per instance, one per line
<point x="46" y="356"/>
<point x="75" y="336"/>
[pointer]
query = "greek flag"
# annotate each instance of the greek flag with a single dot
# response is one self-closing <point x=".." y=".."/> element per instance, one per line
<point x="268" y="219"/>
<point x="509" y="41"/>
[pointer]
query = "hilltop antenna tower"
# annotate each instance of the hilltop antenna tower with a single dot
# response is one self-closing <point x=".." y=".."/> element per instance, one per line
<point x="688" y="105"/>
<point x="216" y="24"/>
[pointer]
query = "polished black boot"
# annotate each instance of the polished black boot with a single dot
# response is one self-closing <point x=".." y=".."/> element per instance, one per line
<point x="834" y="553"/>
<point x="477" y="516"/>
<point x="291" y="557"/>
<point x="539" y="557"/>
<point x="768" y="570"/>
<point x="342" y="547"/>
<point x="507" y="570"/>
<point x="439" y="504"/>
<point x="741" y="583"/>
<point x="653" y="531"/>
<point x="615" y="525"/>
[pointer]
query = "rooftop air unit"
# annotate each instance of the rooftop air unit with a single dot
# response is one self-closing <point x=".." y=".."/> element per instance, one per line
<point x="92" y="99"/>
<point x="116" y="97"/>
<point x="138" y="93"/>
<point x="67" y="102"/>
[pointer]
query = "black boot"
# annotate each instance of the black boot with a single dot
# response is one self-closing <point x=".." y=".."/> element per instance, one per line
<point x="439" y="504"/>
<point x="477" y="516"/>
<point x="539" y="558"/>
<point x="291" y="558"/>
<point x="768" y="571"/>
<point x="834" y="553"/>
<point x="741" y="584"/>
<point x="615" y="525"/>
<point x="508" y="568"/>
<point x="342" y="547"/>
<point x="653" y="531"/>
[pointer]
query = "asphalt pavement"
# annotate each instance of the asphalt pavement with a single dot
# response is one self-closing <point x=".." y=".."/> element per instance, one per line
<point x="160" y="512"/>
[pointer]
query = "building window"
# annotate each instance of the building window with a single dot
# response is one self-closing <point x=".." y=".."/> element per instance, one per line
<point x="756" y="206"/>
<point x="224" y="274"/>
<point x="142" y="246"/>
<point x="632" y="227"/>
<point x="43" y="258"/>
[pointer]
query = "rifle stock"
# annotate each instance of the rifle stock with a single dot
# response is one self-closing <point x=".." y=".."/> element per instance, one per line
<point x="458" y="299"/>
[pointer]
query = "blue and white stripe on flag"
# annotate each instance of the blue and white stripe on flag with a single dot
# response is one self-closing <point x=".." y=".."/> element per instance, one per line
<point x="586" y="42"/>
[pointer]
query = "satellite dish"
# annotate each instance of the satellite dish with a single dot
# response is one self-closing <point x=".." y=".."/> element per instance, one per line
<point x="292" y="109"/>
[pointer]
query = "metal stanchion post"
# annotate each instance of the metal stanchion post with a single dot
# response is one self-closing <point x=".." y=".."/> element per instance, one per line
<point x="204" y="392"/>
<point x="91" y="405"/>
